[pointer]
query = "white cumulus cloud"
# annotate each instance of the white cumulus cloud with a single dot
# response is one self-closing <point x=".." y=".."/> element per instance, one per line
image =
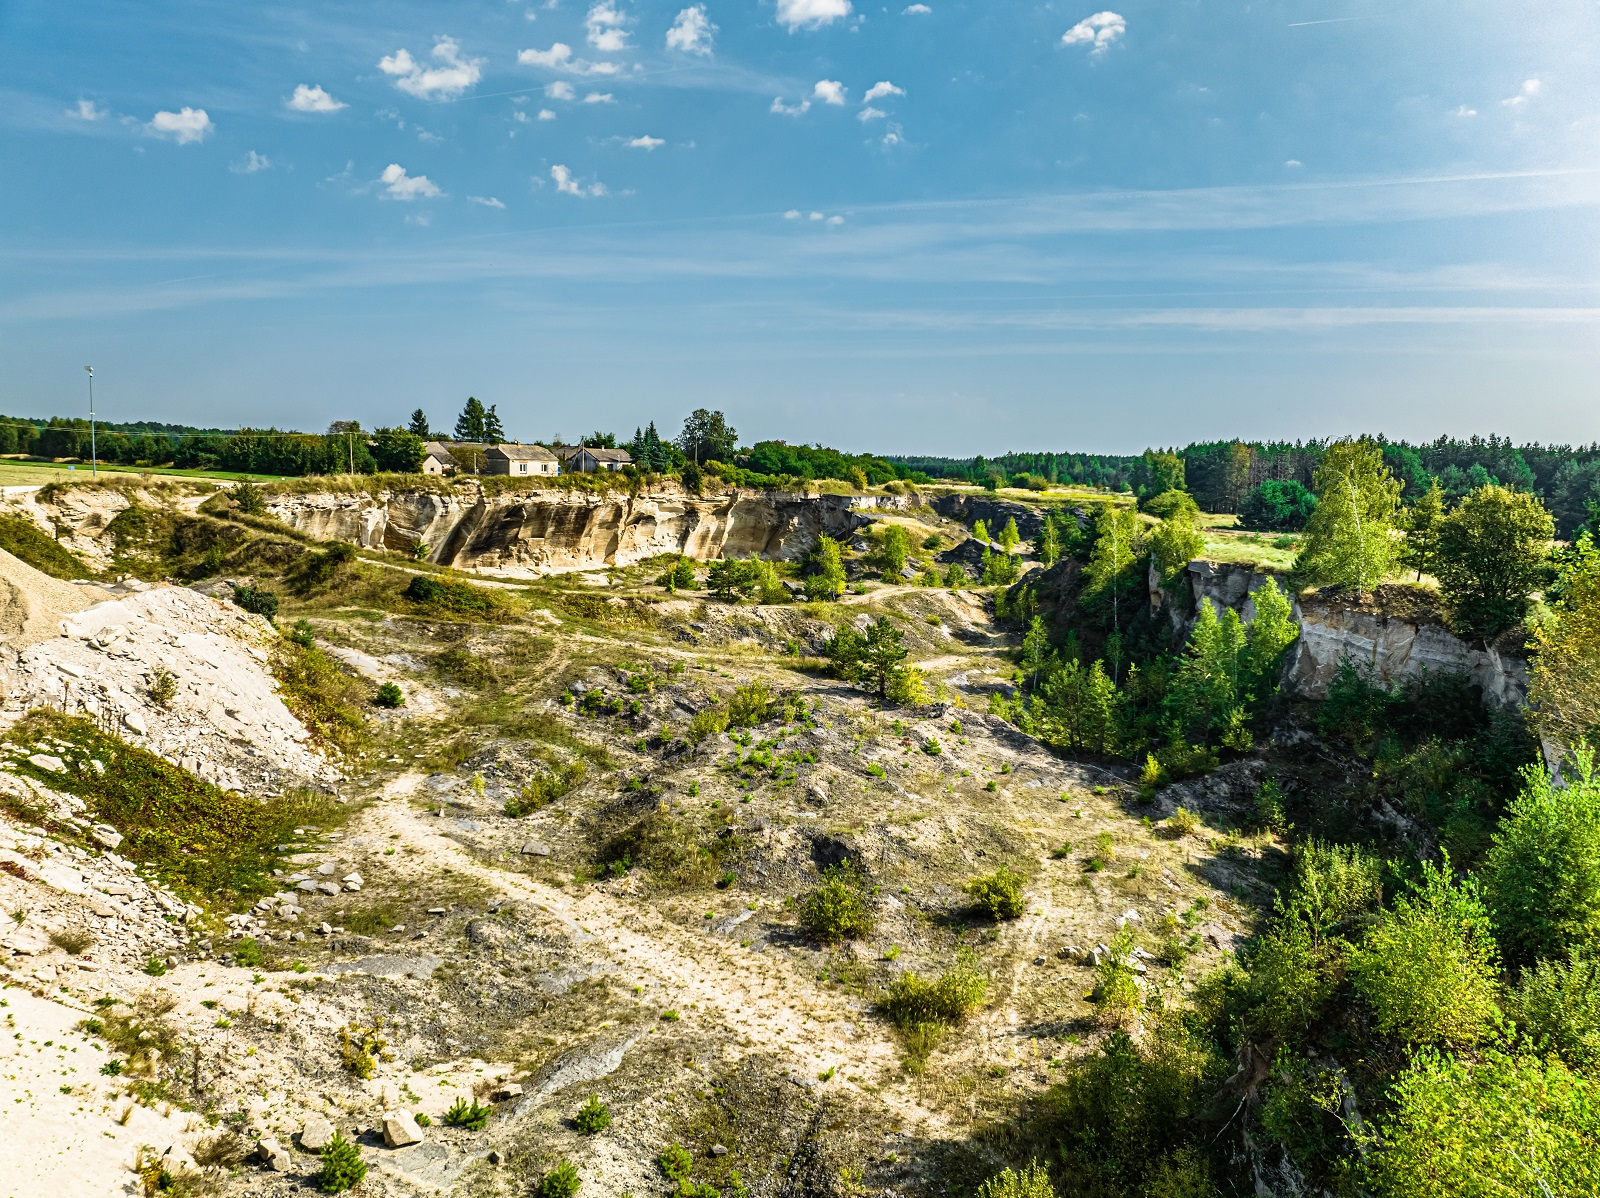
<point x="486" y="201"/>
<point x="646" y="142"/>
<point x="783" y="109"/>
<point x="546" y="115"/>
<point x="86" y="110"/>
<point x="792" y="214"/>
<point x="559" y="58"/>
<point x="309" y="97"/>
<point x="1465" y="111"/>
<point x="402" y="186"/>
<point x="250" y="164"/>
<point x="1530" y="89"/>
<point x="829" y="91"/>
<point x="835" y="220"/>
<point x="878" y="90"/>
<point x="559" y="90"/>
<point x="567" y="185"/>
<point x="183" y="126"/>
<point x="870" y="113"/>
<point x="691" y="31"/>
<point x="607" y="28"/>
<point x="915" y="10"/>
<point x="599" y="98"/>
<point x="452" y="75"/>
<point x="811" y="14"/>
<point x="1099" y="31"/>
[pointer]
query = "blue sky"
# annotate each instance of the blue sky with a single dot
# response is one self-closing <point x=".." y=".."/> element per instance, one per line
<point x="953" y="227"/>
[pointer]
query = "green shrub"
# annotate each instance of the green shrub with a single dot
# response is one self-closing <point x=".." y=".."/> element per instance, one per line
<point x="247" y="497"/>
<point x="303" y="634"/>
<point x="247" y="952"/>
<point x="837" y="909"/>
<point x="359" y="1048"/>
<point x="468" y="1115"/>
<point x="155" y="967"/>
<point x="679" y="576"/>
<point x="593" y="1116"/>
<point x="544" y="789"/>
<point x="1501" y="1125"/>
<point x="1183" y="822"/>
<point x="560" y="1182"/>
<point x="912" y="1000"/>
<point x="712" y="721"/>
<point x="389" y="695"/>
<point x="1429" y="967"/>
<point x="1556" y="1006"/>
<point x="318" y="569"/>
<point x="1032" y="1182"/>
<point x="1333" y="886"/>
<point x="445" y="596"/>
<point x="257" y="601"/>
<point x="1543" y="871"/>
<point x="999" y="893"/>
<point x="342" y="1166"/>
<point x="1116" y="985"/>
<point x="750" y="705"/>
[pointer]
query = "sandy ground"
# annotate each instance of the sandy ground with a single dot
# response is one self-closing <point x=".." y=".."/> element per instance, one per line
<point x="60" y="1120"/>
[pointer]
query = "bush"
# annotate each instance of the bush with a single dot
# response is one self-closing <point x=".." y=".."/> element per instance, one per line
<point x="247" y="953"/>
<point x="1429" y="967"/>
<point x="1502" y="1125"/>
<point x="1556" y="1006"/>
<point x="452" y="597"/>
<point x="303" y="634"/>
<point x="318" y="569"/>
<point x="256" y="601"/>
<point x="679" y="576"/>
<point x="912" y="1001"/>
<point x="560" y="1182"/>
<point x="1183" y="822"/>
<point x="468" y="1115"/>
<point x="359" y="1048"/>
<point x="1116" y="985"/>
<point x="389" y="695"/>
<point x="593" y="1116"/>
<point x="837" y="909"/>
<point x="1032" y="1182"/>
<point x="1543" y="871"/>
<point x="750" y="705"/>
<point x="247" y="497"/>
<point x="342" y="1166"/>
<point x="999" y="893"/>
<point x="545" y="789"/>
<point x="713" y="721"/>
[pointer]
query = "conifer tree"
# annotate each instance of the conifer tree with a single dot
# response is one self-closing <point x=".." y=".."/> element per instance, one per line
<point x="470" y="424"/>
<point x="492" y="430"/>
<point x="1421" y="523"/>
<point x="418" y="425"/>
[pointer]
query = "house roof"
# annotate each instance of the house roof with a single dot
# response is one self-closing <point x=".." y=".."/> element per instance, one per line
<point x="610" y="455"/>
<point x="523" y="453"/>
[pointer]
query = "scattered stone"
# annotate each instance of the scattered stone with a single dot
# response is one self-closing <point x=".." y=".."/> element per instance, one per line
<point x="719" y="1150"/>
<point x="438" y="910"/>
<point x="315" y="1133"/>
<point x="535" y="848"/>
<point x="494" y="1157"/>
<point x="44" y="761"/>
<point x="106" y="836"/>
<point x="324" y="929"/>
<point x="274" y="1156"/>
<point x="135" y="723"/>
<point x="400" y="1129"/>
<point x="1038" y="960"/>
<point x="329" y="888"/>
<point x="308" y="886"/>
<point x="326" y="869"/>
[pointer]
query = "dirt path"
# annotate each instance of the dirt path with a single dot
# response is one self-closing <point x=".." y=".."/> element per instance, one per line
<point x="755" y="996"/>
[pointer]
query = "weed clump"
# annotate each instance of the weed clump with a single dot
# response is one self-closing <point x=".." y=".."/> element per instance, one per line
<point x="545" y="789"/>
<point x="837" y="909"/>
<point x="359" y="1048"/>
<point x="1183" y="822"/>
<point x="248" y="953"/>
<point x="1032" y="1182"/>
<point x="999" y="893"/>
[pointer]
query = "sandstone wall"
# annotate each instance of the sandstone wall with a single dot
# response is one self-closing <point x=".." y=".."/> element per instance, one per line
<point x="553" y="530"/>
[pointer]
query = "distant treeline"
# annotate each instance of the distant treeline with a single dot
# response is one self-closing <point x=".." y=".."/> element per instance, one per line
<point x="147" y="443"/>
<point x="1219" y="474"/>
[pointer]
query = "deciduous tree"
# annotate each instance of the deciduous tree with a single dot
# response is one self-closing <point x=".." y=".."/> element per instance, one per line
<point x="1350" y="542"/>
<point x="1494" y="551"/>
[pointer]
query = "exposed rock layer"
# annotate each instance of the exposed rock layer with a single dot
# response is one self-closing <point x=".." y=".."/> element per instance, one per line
<point x="553" y="530"/>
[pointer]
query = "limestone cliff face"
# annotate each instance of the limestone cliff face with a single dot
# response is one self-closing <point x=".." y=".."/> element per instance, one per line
<point x="541" y="532"/>
<point x="1397" y="632"/>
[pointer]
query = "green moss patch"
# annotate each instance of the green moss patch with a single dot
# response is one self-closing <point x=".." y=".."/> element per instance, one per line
<point x="203" y="841"/>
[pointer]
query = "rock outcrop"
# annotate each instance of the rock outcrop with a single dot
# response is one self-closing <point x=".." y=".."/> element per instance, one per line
<point x="547" y="531"/>
<point x="223" y="721"/>
<point x="1397" y="633"/>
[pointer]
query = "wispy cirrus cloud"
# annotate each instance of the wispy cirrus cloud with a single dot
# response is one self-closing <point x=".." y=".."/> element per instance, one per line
<point x="86" y="110"/>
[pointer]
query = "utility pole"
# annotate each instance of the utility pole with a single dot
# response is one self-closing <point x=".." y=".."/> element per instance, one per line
<point x="350" y="444"/>
<point x="94" y="457"/>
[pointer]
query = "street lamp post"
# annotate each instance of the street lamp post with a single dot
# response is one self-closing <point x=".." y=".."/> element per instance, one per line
<point x="94" y="458"/>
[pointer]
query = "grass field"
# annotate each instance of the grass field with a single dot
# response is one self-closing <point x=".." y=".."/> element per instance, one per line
<point x="15" y="473"/>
